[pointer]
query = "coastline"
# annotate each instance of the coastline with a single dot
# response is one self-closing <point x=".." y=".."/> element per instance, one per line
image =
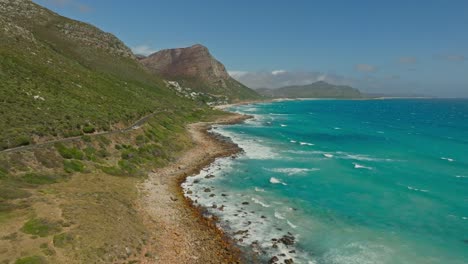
<point x="181" y="233"/>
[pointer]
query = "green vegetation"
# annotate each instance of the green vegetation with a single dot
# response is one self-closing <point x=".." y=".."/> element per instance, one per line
<point x="31" y="260"/>
<point x="40" y="179"/>
<point x="61" y="240"/>
<point x="41" y="227"/>
<point x="69" y="153"/>
<point x="63" y="78"/>
<point x="73" y="166"/>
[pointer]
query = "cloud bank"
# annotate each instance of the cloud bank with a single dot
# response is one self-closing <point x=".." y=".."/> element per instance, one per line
<point x="143" y="50"/>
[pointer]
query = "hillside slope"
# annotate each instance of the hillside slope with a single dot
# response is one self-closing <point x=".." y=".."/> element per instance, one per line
<point x="318" y="89"/>
<point x="61" y="78"/>
<point x="196" y="68"/>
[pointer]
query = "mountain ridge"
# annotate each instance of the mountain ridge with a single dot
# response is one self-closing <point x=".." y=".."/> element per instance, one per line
<point x="196" y="68"/>
<point x="319" y="89"/>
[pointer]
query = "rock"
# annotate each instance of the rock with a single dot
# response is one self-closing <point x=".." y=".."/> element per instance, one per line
<point x="212" y="195"/>
<point x="189" y="192"/>
<point x="288" y="261"/>
<point x="288" y="240"/>
<point x="207" y="190"/>
<point x="209" y="176"/>
<point x="273" y="260"/>
<point x="292" y="251"/>
<point x="245" y="203"/>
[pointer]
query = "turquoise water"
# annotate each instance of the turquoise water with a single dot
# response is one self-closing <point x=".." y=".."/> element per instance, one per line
<point x="371" y="181"/>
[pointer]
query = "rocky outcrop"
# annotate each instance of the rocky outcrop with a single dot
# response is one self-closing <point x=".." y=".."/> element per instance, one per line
<point x="15" y="17"/>
<point x="196" y="68"/>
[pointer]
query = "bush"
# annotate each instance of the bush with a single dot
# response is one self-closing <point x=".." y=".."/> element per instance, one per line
<point x="40" y="227"/>
<point x="73" y="166"/>
<point x="89" y="129"/>
<point x="31" y="260"/>
<point x="69" y="153"/>
<point x="61" y="240"/>
<point x="86" y="138"/>
<point x="21" y="140"/>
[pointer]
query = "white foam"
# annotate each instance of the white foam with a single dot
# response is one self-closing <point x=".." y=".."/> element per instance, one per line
<point x="276" y="181"/>
<point x="359" y="166"/>
<point x="416" y="189"/>
<point x="306" y="144"/>
<point x="447" y="159"/>
<point x="251" y="146"/>
<point x="279" y="216"/>
<point x="293" y="171"/>
<point x="257" y="201"/>
<point x="283" y="125"/>
<point x="293" y="141"/>
<point x="291" y="224"/>
<point x="327" y="155"/>
<point x="461" y="176"/>
<point x="259" y="189"/>
<point x="337" y="128"/>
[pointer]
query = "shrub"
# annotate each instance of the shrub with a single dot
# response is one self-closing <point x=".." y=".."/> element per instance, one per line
<point x="69" y="153"/>
<point x="89" y="129"/>
<point x="31" y="260"/>
<point x="86" y="138"/>
<point x="61" y="240"/>
<point x="73" y="166"/>
<point x="22" y="140"/>
<point x="40" y="227"/>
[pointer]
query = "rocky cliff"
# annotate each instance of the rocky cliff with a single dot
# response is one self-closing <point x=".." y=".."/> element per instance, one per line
<point x="196" y="68"/>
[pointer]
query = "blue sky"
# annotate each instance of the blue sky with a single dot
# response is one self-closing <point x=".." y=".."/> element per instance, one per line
<point x="378" y="46"/>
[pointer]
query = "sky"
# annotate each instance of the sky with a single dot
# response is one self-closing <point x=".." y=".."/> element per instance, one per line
<point x="392" y="47"/>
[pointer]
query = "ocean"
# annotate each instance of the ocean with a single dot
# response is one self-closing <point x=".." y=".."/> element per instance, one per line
<point x="344" y="181"/>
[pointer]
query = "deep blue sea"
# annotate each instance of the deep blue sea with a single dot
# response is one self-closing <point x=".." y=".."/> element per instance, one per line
<point x="352" y="181"/>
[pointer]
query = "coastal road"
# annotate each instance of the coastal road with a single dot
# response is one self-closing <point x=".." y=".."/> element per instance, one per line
<point x="134" y="126"/>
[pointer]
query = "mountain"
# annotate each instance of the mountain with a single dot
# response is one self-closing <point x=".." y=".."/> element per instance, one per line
<point x="59" y="76"/>
<point x="318" y="89"/>
<point x="196" y="68"/>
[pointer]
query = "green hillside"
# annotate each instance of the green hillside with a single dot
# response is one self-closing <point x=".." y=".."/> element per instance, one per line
<point x="62" y="78"/>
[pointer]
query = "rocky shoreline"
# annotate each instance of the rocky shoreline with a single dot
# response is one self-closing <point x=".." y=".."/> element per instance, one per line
<point x="182" y="233"/>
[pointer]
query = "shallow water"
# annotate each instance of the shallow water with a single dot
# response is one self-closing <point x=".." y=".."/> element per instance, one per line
<point x="376" y="181"/>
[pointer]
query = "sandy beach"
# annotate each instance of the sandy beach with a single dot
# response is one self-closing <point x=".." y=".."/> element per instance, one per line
<point x="182" y="234"/>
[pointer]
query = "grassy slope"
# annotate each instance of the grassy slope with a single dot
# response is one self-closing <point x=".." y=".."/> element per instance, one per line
<point x="82" y="86"/>
<point x="76" y="202"/>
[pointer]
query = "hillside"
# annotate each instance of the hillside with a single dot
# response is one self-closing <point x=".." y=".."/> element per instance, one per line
<point x="318" y="89"/>
<point x="61" y="78"/>
<point x="93" y="123"/>
<point x="194" y="67"/>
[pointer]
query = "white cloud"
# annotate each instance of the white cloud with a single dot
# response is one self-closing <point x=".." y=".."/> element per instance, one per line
<point x="365" y="68"/>
<point x="276" y="72"/>
<point x="237" y="74"/>
<point x="143" y="50"/>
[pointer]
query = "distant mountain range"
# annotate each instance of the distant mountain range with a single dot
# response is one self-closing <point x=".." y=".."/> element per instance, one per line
<point x="194" y="67"/>
<point x="318" y="89"/>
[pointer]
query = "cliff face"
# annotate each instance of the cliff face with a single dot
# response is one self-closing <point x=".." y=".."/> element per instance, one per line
<point x="195" y="67"/>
